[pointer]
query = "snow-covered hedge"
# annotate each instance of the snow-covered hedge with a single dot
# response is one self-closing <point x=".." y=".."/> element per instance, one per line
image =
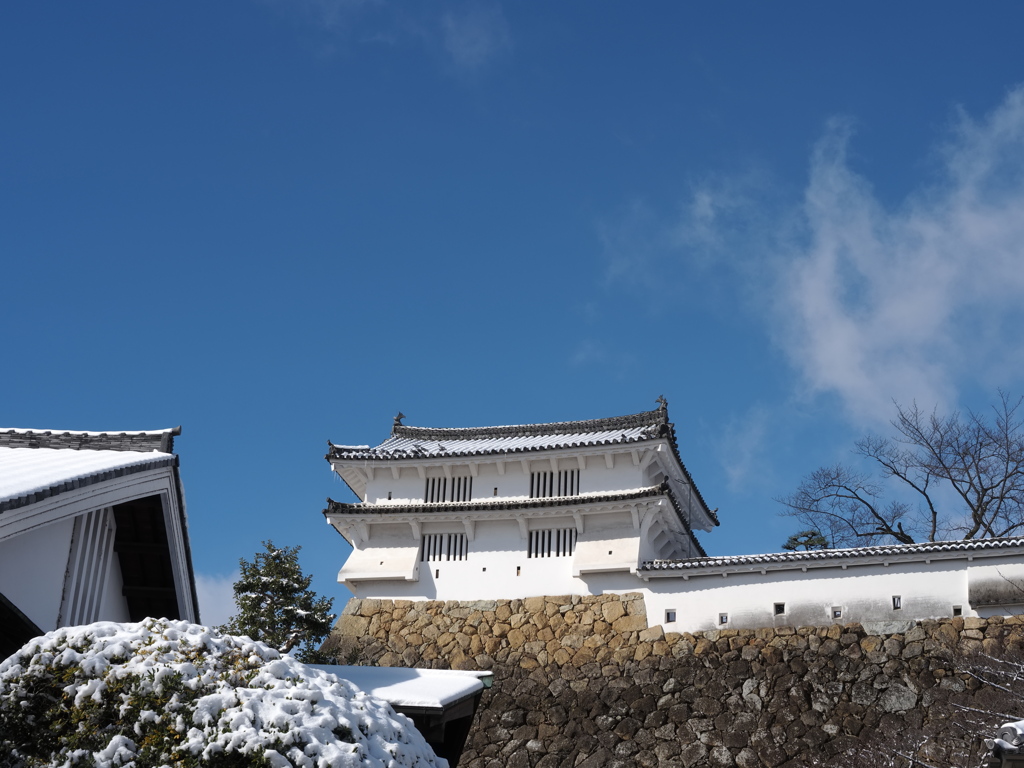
<point x="168" y="693"/>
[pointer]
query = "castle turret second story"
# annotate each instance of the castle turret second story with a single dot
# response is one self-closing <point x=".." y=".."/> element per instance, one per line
<point x="515" y="511"/>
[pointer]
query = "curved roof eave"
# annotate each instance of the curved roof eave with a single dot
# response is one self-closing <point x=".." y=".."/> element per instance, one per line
<point x="515" y="440"/>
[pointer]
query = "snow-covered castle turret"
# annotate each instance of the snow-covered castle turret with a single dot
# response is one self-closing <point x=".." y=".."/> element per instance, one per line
<point x="516" y="511"/>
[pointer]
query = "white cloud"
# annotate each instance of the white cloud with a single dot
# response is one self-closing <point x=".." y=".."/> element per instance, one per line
<point x="876" y="304"/>
<point x="741" y="447"/>
<point x="216" y="597"/>
<point x="330" y="14"/>
<point x="475" y="34"/>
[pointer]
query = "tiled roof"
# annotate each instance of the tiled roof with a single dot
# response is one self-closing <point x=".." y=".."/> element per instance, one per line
<point x="423" y="442"/>
<point x="28" y="475"/>
<point x="819" y="556"/>
<point x="148" y="440"/>
<point x="341" y="508"/>
<point x="407" y="442"/>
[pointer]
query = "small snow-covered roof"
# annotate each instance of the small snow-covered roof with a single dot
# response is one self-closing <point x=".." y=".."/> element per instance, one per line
<point x="825" y="557"/>
<point x="422" y="689"/>
<point x="36" y="464"/>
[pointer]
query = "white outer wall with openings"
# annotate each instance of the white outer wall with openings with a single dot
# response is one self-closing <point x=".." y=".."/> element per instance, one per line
<point x="911" y="584"/>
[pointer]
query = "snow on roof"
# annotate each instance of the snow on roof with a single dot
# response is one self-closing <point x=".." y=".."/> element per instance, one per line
<point x="411" y="688"/>
<point x="423" y="442"/>
<point x="30" y="474"/>
<point x="410" y="443"/>
<point x="823" y="556"/>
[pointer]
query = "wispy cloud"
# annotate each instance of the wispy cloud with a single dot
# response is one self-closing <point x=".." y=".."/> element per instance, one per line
<point x="331" y="14"/>
<point x="216" y="597"/>
<point x="876" y="304"/>
<point x="702" y="244"/>
<point x="466" y="35"/>
<point x="741" y="447"/>
<point x="475" y="34"/>
<point x="869" y="302"/>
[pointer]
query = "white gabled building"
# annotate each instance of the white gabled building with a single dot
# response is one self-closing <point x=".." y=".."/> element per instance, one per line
<point x="589" y="507"/>
<point x="92" y="527"/>
<point x="562" y="508"/>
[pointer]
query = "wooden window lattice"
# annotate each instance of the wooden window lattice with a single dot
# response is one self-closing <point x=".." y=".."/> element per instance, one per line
<point x="554" y="542"/>
<point x="441" y="489"/>
<point x="564" y="482"/>
<point x="444" y="546"/>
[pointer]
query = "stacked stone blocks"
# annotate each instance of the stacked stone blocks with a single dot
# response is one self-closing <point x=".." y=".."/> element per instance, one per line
<point x="582" y="681"/>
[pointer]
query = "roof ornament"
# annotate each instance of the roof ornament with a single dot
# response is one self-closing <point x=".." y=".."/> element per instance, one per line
<point x="398" y="420"/>
<point x="662" y="403"/>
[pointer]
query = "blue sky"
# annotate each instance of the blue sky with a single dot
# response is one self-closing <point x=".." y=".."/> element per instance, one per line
<point x="279" y="222"/>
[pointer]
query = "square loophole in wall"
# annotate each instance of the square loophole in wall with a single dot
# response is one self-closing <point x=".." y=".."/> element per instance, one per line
<point x="780" y="609"/>
<point x="670" y="615"/>
<point x="958" y="610"/>
<point x="723" y="618"/>
<point x="837" y="612"/>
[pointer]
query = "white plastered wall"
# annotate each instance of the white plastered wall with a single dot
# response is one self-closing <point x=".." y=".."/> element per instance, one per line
<point x="509" y="480"/>
<point x="860" y="593"/>
<point x="32" y="568"/>
<point x="496" y="566"/>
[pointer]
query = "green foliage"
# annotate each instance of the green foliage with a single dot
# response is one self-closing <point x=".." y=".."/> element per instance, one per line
<point x="277" y="607"/>
<point x="806" y="540"/>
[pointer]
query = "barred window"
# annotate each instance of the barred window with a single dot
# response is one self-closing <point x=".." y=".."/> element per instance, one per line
<point x="556" y="542"/>
<point x="444" y="546"/>
<point x="565" y="482"/>
<point x="439" y="489"/>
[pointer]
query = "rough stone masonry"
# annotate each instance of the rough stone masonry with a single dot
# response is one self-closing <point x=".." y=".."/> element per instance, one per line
<point x="582" y="681"/>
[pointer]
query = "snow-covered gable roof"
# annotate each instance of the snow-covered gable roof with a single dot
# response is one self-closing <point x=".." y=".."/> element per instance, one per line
<point x="36" y="465"/>
<point x="831" y="557"/>
<point x="125" y="482"/>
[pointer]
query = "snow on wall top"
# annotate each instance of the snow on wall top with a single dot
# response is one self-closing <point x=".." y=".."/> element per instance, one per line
<point x="28" y="475"/>
<point x="828" y="556"/>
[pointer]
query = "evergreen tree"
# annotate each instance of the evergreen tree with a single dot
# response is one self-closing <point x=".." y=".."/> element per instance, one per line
<point x="805" y="540"/>
<point x="277" y="607"/>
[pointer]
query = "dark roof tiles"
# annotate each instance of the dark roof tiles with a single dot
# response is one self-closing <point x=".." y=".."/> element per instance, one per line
<point x="337" y="507"/>
<point x="824" y="555"/>
<point x="407" y="442"/>
<point x="156" y="440"/>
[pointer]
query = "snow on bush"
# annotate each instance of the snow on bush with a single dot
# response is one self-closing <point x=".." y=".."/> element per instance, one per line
<point x="169" y="693"/>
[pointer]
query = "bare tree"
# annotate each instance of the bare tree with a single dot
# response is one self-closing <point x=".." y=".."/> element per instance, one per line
<point x="974" y="460"/>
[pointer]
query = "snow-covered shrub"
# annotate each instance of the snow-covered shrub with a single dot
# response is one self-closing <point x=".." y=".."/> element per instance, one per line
<point x="169" y="693"/>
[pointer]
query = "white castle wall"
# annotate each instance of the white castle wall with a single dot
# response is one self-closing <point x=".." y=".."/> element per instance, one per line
<point x="861" y="593"/>
<point x="490" y="483"/>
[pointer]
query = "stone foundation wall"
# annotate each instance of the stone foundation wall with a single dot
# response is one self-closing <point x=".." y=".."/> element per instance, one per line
<point x="581" y="681"/>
